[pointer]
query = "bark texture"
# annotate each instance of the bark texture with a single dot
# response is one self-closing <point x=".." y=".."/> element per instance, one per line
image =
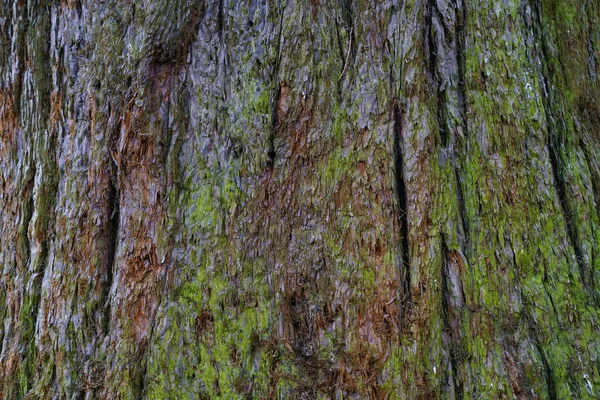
<point x="299" y="199"/>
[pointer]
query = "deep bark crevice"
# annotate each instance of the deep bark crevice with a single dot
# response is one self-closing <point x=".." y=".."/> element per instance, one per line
<point x="348" y="20"/>
<point x="112" y="237"/>
<point x="23" y="248"/>
<point x="461" y="55"/>
<point x="464" y="236"/>
<point x="561" y="190"/>
<point x="273" y="130"/>
<point x="451" y="136"/>
<point x="551" y="385"/>
<point x="220" y="19"/>
<point x="429" y="41"/>
<point x="441" y="118"/>
<point x="432" y="45"/>
<point x="340" y="48"/>
<point x="460" y="142"/>
<point x="271" y="153"/>
<point x="401" y="199"/>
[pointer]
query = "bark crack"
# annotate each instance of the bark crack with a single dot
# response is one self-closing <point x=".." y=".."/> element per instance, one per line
<point x="112" y="240"/>
<point x="401" y="198"/>
<point x="220" y="19"/>
<point x="274" y="125"/>
<point x="348" y="19"/>
<point x="271" y="153"/>
<point x="547" y="369"/>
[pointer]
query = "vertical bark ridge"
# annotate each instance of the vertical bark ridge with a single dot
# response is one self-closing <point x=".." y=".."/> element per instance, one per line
<point x="504" y="131"/>
<point x="446" y="66"/>
<point x="558" y="139"/>
<point x="10" y="361"/>
<point x="41" y="139"/>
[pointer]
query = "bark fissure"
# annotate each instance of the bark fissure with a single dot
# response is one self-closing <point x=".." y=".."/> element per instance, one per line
<point x="428" y="38"/>
<point x="446" y="38"/>
<point x="271" y="153"/>
<point x="461" y="37"/>
<point x="348" y="20"/>
<point x="23" y="256"/>
<point x="459" y="145"/>
<point x="112" y="237"/>
<point x="561" y="189"/>
<point x="220" y="19"/>
<point x="401" y="199"/>
<point x="340" y="48"/>
<point x="551" y="385"/>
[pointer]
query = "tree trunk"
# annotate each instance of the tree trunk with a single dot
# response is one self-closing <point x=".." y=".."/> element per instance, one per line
<point x="300" y="199"/>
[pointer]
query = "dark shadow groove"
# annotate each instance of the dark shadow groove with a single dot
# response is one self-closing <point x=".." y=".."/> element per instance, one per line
<point x="460" y="142"/>
<point x="111" y="237"/>
<point x="348" y="21"/>
<point x="220" y="19"/>
<point x="547" y="370"/>
<point x="401" y="198"/>
<point x="461" y="55"/>
<point x="273" y="131"/>
<point x="271" y="153"/>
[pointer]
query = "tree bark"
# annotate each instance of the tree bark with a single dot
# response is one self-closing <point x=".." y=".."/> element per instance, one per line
<point x="299" y="199"/>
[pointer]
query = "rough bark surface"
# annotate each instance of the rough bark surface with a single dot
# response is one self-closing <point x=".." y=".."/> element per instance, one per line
<point x="299" y="199"/>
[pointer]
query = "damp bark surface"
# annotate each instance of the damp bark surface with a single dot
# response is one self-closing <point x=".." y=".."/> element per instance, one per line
<point x="299" y="199"/>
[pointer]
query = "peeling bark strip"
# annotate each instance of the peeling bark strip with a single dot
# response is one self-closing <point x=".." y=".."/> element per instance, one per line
<point x="299" y="199"/>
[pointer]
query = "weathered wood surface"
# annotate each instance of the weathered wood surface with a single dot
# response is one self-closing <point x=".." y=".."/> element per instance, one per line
<point x="299" y="199"/>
